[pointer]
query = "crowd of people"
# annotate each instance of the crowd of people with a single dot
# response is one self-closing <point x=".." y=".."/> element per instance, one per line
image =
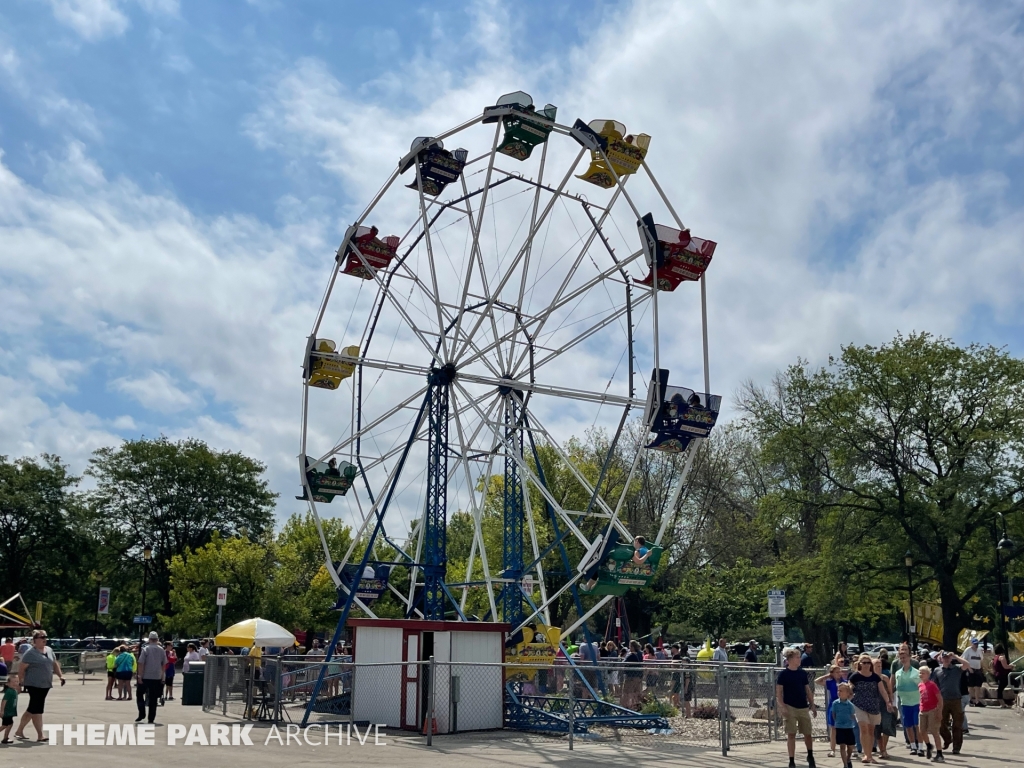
<point x="867" y="698"/>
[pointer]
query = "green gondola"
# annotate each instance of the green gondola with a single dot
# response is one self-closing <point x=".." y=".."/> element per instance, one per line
<point x="328" y="480"/>
<point x="525" y="125"/>
<point x="618" y="573"/>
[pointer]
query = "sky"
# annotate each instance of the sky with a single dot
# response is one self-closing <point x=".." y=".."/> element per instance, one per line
<point x="176" y="176"/>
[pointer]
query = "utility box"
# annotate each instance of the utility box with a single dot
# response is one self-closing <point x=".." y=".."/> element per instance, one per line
<point x="468" y="698"/>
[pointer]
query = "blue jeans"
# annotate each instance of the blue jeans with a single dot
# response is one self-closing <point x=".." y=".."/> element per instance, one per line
<point x="965" y="702"/>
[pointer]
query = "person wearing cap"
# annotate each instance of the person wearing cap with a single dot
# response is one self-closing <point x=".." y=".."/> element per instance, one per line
<point x="151" y="670"/>
<point x="947" y="677"/>
<point x="975" y="679"/>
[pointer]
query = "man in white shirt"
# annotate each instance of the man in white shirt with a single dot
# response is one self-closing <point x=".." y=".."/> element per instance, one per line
<point x="720" y="655"/>
<point x="975" y="678"/>
<point x="204" y="648"/>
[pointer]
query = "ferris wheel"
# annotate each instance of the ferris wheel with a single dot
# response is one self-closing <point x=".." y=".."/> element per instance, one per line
<point x="499" y="293"/>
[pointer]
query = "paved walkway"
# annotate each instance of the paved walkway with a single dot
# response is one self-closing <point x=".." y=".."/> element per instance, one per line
<point x="997" y="739"/>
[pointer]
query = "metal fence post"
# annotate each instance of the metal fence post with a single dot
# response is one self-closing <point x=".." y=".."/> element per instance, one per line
<point x="720" y="684"/>
<point x="277" y="689"/>
<point x="430" y="714"/>
<point x="572" y="707"/>
<point x="81" y="663"/>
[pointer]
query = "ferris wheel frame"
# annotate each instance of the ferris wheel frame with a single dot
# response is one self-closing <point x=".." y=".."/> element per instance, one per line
<point x="518" y="375"/>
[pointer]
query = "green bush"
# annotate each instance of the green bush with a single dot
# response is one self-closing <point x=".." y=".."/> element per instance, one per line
<point x="659" y="708"/>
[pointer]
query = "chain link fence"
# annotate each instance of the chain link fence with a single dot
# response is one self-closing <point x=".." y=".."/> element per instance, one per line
<point x="656" y="705"/>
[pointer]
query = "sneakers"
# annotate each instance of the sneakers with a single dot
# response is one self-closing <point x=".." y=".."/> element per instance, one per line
<point x="810" y="760"/>
<point x="938" y="758"/>
<point x="929" y="751"/>
<point x="792" y="763"/>
<point x="913" y="751"/>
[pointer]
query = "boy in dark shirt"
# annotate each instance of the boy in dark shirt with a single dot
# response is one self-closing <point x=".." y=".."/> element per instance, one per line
<point x="796" y="704"/>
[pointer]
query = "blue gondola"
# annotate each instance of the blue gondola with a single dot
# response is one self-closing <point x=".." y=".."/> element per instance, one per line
<point x="438" y="166"/>
<point x="370" y="586"/>
<point x="677" y="415"/>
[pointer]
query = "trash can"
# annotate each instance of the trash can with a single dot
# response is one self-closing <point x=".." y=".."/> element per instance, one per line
<point x="192" y="684"/>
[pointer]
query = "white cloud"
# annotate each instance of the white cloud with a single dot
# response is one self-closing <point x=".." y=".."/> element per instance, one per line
<point x="95" y="20"/>
<point x="808" y="140"/>
<point x="55" y="375"/>
<point x="92" y="19"/>
<point x="156" y="391"/>
<point x="31" y="427"/>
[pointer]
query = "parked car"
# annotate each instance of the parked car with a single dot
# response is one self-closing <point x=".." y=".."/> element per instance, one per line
<point x="62" y="643"/>
<point x="100" y="643"/>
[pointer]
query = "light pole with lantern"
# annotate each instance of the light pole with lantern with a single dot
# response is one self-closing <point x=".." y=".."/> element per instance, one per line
<point x="908" y="560"/>
<point x="1003" y="545"/>
<point x="147" y="555"/>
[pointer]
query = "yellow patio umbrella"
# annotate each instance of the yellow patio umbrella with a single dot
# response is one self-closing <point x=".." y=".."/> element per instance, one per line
<point x="259" y="632"/>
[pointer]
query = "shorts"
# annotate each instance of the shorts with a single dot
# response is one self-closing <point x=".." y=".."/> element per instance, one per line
<point x="798" y="720"/>
<point x="975" y="678"/>
<point x="846" y="736"/>
<point x="110" y="674"/>
<point x="911" y="715"/>
<point x="931" y="721"/>
<point x="36" y="699"/>
<point x="169" y="680"/>
<point x="126" y="675"/>
<point x="6" y="721"/>
<point x="871" y="718"/>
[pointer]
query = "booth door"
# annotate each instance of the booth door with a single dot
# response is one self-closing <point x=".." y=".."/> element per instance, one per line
<point x="411" y="674"/>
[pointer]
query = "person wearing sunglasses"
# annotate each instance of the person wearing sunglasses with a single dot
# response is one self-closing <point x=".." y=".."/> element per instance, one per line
<point x="870" y="694"/>
<point x="38" y="666"/>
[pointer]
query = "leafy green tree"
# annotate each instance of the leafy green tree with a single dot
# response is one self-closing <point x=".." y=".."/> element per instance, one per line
<point x="718" y="601"/>
<point x="46" y="548"/>
<point x="174" y="496"/>
<point x="917" y="444"/>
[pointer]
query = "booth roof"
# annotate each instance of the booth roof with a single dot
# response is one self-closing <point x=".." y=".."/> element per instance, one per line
<point x="433" y="626"/>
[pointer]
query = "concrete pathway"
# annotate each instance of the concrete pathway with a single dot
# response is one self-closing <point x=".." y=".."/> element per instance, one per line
<point x="997" y="739"/>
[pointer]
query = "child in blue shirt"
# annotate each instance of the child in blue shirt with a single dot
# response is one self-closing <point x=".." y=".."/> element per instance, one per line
<point x="842" y="713"/>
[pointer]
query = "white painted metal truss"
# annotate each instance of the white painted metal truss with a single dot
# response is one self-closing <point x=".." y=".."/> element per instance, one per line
<point x="522" y="285"/>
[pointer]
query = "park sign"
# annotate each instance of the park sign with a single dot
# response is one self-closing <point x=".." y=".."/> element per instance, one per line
<point x="143" y="620"/>
<point x="778" y="632"/>
<point x="776" y="604"/>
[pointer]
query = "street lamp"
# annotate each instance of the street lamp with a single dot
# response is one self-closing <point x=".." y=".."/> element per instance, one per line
<point x="1003" y="545"/>
<point x="147" y="555"/>
<point x="908" y="560"/>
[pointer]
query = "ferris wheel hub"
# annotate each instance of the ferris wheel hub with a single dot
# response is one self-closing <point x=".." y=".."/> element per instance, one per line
<point x="445" y="374"/>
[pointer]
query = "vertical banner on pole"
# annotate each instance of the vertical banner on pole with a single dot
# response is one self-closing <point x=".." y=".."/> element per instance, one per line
<point x="103" y="605"/>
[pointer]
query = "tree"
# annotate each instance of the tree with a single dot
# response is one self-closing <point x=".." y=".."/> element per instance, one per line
<point x="917" y="443"/>
<point x="718" y="601"/>
<point x="46" y="548"/>
<point x="175" y="496"/>
<point x="257" y="585"/>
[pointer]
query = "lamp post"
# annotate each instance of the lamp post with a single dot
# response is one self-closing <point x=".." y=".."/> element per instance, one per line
<point x="1003" y="545"/>
<point x="147" y="555"/>
<point x="908" y="560"/>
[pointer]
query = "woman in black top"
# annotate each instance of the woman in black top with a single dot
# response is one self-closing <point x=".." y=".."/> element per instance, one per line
<point x="632" y="685"/>
<point x="870" y="694"/>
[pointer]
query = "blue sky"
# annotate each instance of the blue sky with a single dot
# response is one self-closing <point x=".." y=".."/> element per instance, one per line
<point x="176" y="175"/>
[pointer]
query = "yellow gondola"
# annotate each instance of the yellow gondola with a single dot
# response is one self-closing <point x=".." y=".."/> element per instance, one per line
<point x="624" y="151"/>
<point x="329" y="372"/>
